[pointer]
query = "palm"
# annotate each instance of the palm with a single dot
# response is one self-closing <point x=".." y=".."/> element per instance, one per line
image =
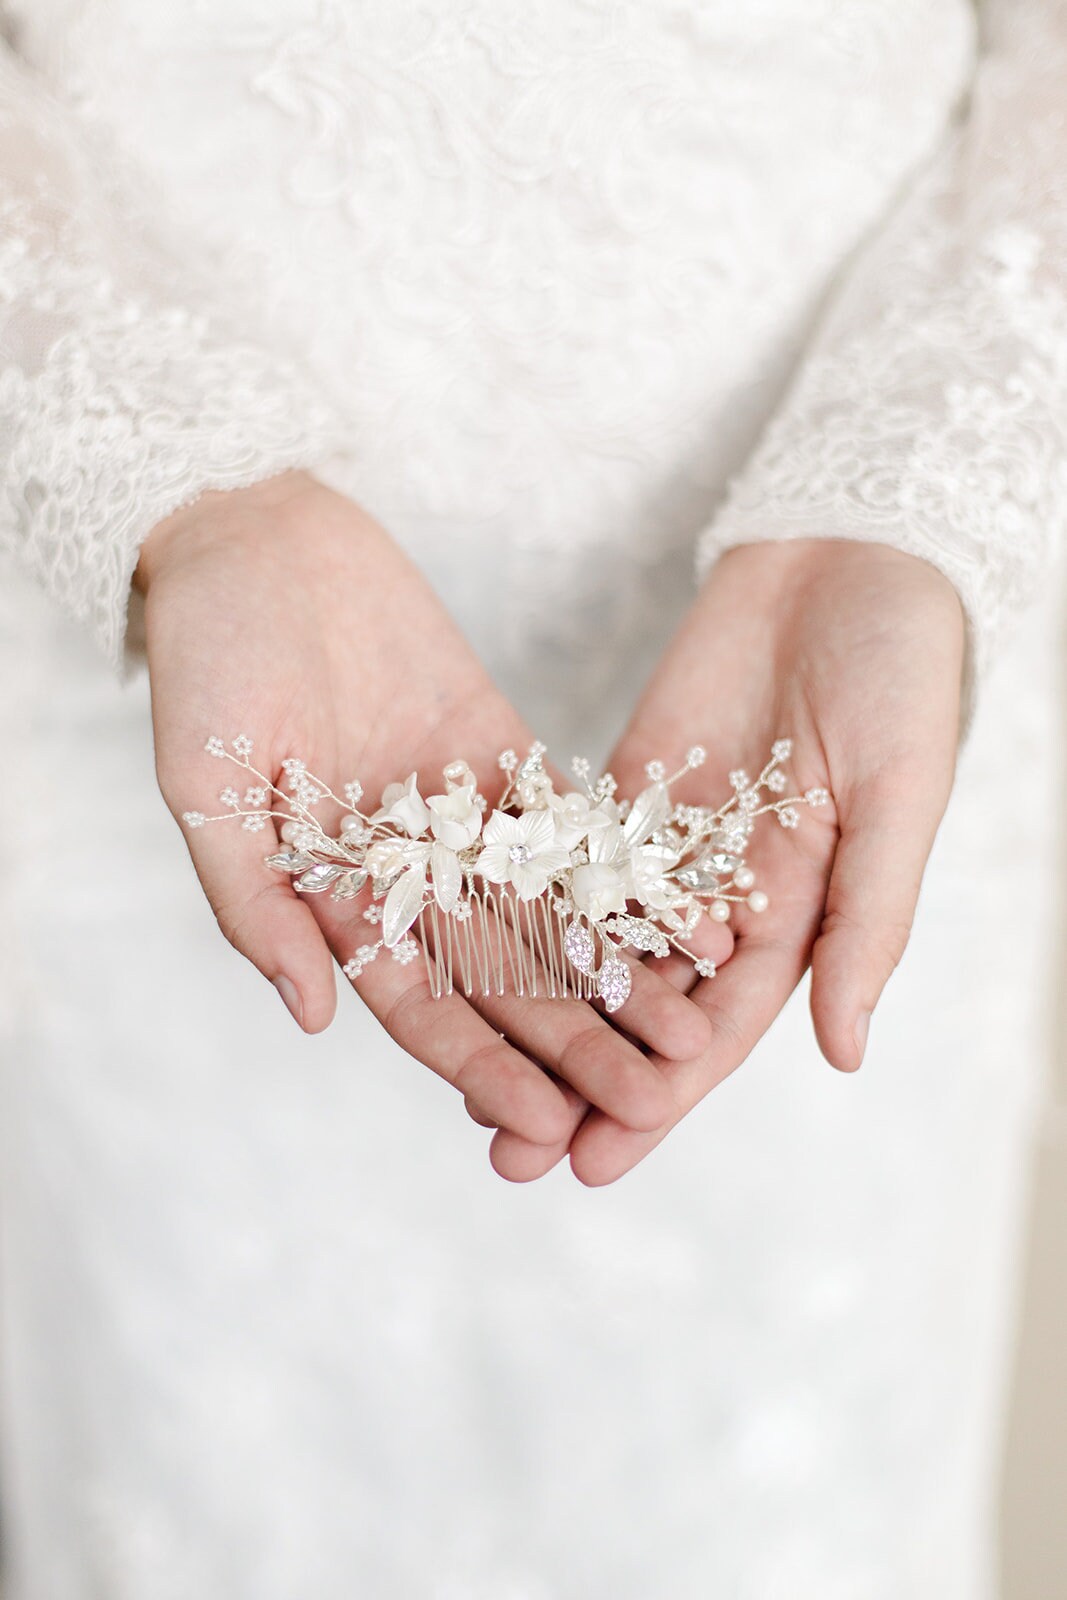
<point x="293" y="617"/>
<point x="854" y="651"/>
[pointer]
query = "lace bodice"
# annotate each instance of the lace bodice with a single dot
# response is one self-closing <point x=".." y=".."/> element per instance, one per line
<point x="537" y="278"/>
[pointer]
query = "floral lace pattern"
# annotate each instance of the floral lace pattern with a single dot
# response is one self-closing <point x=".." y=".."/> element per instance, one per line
<point x="931" y="414"/>
<point x="546" y="262"/>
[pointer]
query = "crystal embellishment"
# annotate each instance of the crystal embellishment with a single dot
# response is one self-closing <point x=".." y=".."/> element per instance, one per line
<point x="578" y="943"/>
<point x="614" y="983"/>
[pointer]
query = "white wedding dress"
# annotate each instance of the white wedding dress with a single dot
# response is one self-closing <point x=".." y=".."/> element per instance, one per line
<point x="561" y="292"/>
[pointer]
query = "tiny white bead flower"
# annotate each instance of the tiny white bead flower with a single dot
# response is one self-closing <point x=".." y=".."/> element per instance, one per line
<point x="194" y="819"/>
<point x="353" y="793"/>
<point x="816" y="797"/>
<point x="507" y="761"/>
<point x="655" y="771"/>
<point x="705" y="968"/>
<point x="776" y="781"/>
<point x="253" y="824"/>
<point x="789" y="816"/>
<point x="739" y="779"/>
<point x="373" y="914"/>
<point x="405" y="951"/>
<point x="242" y="745"/>
<point x="215" y="746"/>
<point x="696" y="757"/>
<point x="230" y="797"/>
<point x="462" y="911"/>
<point x="782" y="749"/>
<point x="256" y="796"/>
<point x="580" y="767"/>
<point x="357" y="963"/>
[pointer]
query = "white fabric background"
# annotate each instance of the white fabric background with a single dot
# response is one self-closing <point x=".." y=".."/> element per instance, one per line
<point x="271" y="1326"/>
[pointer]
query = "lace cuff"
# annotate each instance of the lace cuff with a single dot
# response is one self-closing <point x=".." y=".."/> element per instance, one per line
<point x="931" y="414"/>
<point x="118" y="403"/>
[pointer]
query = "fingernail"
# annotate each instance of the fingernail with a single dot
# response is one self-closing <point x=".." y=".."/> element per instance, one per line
<point x="291" y="995"/>
<point x="859" y="1032"/>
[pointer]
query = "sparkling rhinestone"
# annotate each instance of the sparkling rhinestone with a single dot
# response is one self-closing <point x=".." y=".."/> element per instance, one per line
<point x="613" y="983"/>
<point x="578" y="943"/>
<point x="519" y="854"/>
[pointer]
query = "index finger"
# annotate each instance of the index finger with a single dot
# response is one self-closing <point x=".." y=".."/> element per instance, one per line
<point x="741" y="1002"/>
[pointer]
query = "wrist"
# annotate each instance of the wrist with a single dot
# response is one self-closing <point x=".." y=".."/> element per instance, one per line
<point x="211" y="515"/>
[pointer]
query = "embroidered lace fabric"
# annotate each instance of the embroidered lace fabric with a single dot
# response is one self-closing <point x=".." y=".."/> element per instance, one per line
<point x="930" y="412"/>
<point x="126" y="386"/>
<point x="529" y="279"/>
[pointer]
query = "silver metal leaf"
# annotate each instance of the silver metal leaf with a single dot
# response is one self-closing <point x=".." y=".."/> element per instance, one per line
<point x="318" y="878"/>
<point x="402" y="905"/>
<point x="578" y="943"/>
<point x="649" y="811"/>
<point x="446" y="874"/>
<point x="613" y="983"/>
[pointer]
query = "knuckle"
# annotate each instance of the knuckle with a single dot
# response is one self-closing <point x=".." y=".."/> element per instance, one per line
<point x="581" y="1048"/>
<point x="885" y="940"/>
<point x="488" y="1057"/>
<point x="404" y="1013"/>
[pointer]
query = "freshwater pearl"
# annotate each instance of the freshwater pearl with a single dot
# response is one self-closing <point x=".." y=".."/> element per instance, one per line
<point x="758" y="901"/>
<point x="351" y="825"/>
<point x="719" y="911"/>
<point x="744" y="877"/>
<point x="289" y="832"/>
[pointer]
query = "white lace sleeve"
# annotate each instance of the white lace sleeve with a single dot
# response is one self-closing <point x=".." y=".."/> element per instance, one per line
<point x="125" y="388"/>
<point x="930" y="411"/>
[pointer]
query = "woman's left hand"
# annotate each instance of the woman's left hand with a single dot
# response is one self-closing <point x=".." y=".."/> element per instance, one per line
<point x="855" y="652"/>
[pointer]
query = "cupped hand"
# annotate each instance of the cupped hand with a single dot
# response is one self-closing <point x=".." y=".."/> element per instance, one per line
<point x="855" y="651"/>
<point x="285" y="613"/>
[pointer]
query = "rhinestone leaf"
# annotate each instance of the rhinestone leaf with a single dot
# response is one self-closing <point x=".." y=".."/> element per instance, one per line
<point x="318" y="878"/>
<point x="349" y="885"/>
<point x="290" y="861"/>
<point x="613" y="983"/>
<point x="641" y="934"/>
<point x="578" y="943"/>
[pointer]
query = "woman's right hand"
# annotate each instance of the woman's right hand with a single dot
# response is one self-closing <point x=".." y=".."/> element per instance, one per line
<point x="286" y="613"/>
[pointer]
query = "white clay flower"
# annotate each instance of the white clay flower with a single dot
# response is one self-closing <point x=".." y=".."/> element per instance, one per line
<point x="521" y="851"/>
<point x="599" y="890"/>
<point x="648" y="881"/>
<point x="403" y="805"/>
<point x="576" y="817"/>
<point x="455" y="819"/>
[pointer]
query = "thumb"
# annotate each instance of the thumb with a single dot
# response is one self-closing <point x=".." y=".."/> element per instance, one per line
<point x="886" y="838"/>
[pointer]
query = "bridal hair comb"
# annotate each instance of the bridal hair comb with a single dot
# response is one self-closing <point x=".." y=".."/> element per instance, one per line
<point x="539" y="894"/>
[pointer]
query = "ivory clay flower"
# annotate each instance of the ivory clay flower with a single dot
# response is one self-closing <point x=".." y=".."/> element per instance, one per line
<point x="522" y="851"/>
<point x="576" y="817"/>
<point x="598" y="889"/>
<point x="455" y="819"/>
<point x="403" y="805"/>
